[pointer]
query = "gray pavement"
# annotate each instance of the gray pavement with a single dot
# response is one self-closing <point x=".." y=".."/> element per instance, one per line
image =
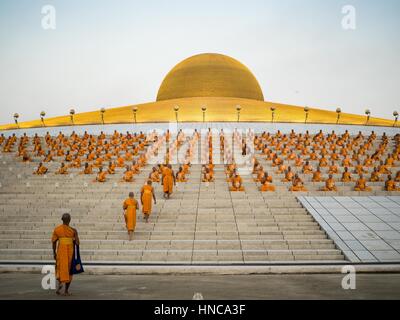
<point x="210" y="287"/>
<point x="366" y="229"/>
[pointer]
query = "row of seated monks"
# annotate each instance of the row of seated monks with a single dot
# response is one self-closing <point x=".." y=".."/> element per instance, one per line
<point x="281" y="150"/>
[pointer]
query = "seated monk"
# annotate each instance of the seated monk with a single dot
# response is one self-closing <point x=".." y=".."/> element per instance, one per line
<point x="111" y="168"/>
<point x="329" y="184"/>
<point x="323" y="162"/>
<point x="266" y="186"/>
<point x="120" y="162"/>
<point x="76" y="163"/>
<point x="359" y="168"/>
<point x="397" y="178"/>
<point x="297" y="184"/>
<point x="237" y="183"/>
<point x="180" y="175"/>
<point x="361" y="184"/>
<point x="48" y="157"/>
<point x="298" y="162"/>
<point x="98" y="162"/>
<point x="88" y="169"/>
<point x="260" y="175"/>
<point x="101" y="176"/>
<point x="186" y="168"/>
<point x="135" y="168"/>
<point x="390" y="184"/>
<point x="281" y="168"/>
<point x="375" y="176"/>
<point x="333" y="168"/>
<point x="307" y="168"/>
<point x="288" y="175"/>
<point x="346" y="175"/>
<point x="68" y="157"/>
<point x="128" y="175"/>
<point x="231" y="175"/>
<point x="207" y="176"/>
<point x="276" y="161"/>
<point x="25" y="156"/>
<point x="63" y="169"/>
<point x="154" y="175"/>
<point x="382" y="168"/>
<point x="41" y="169"/>
<point x="317" y="177"/>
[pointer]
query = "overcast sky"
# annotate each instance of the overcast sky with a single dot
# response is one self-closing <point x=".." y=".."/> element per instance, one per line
<point x="113" y="53"/>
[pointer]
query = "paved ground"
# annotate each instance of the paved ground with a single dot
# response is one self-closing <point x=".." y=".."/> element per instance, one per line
<point x="366" y="229"/>
<point x="319" y="286"/>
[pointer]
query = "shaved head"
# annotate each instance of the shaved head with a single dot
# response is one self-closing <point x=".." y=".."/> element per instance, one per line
<point x="131" y="195"/>
<point x="66" y="218"/>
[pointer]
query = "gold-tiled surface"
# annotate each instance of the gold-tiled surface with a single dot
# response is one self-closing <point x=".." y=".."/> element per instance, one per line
<point x="218" y="110"/>
<point x="210" y="75"/>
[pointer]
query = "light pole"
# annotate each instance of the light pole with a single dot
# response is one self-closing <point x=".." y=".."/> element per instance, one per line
<point x="134" y="110"/>
<point x="272" y="113"/>
<point x="338" y="111"/>
<point x="306" y="110"/>
<point x="71" y="113"/>
<point x="368" y="114"/>
<point x="396" y="117"/>
<point x="16" y="116"/>
<point x="204" y="109"/>
<point x="102" y="111"/>
<point x="176" y="109"/>
<point x="238" y="108"/>
<point x="42" y="115"/>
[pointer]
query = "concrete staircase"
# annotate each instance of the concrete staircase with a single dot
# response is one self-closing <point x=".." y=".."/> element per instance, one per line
<point x="200" y="224"/>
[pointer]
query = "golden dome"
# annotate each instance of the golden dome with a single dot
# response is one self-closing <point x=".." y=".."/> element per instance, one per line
<point x="210" y="75"/>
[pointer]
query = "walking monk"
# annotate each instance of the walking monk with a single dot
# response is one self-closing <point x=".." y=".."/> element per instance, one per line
<point x="168" y="180"/>
<point x="63" y="249"/>
<point x="130" y="205"/>
<point x="146" y="195"/>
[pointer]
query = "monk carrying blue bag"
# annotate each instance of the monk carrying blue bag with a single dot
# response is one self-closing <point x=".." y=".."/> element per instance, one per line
<point x="76" y="264"/>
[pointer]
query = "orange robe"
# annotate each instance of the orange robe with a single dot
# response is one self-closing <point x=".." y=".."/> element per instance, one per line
<point x="147" y="198"/>
<point x="130" y="206"/>
<point x="329" y="185"/>
<point x="236" y="184"/>
<point x="101" y="177"/>
<point x="361" y="185"/>
<point x="65" y="236"/>
<point x="266" y="186"/>
<point x="155" y="177"/>
<point x="168" y="180"/>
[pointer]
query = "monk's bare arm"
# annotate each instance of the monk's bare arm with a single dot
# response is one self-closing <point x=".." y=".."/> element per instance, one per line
<point x="55" y="250"/>
<point x="154" y="196"/>
<point x="76" y="237"/>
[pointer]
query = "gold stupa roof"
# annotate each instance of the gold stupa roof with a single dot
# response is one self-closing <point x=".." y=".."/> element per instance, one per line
<point x="212" y="81"/>
<point x="210" y="75"/>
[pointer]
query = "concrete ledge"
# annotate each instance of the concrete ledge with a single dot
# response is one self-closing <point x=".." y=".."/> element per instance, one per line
<point x="217" y="270"/>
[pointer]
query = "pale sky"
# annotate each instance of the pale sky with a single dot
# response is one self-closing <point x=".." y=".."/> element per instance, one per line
<point x="114" y="53"/>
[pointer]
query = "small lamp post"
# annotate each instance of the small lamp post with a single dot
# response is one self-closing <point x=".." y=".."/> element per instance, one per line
<point x="368" y="114"/>
<point x="238" y="108"/>
<point x="102" y="111"/>
<point x="306" y="110"/>
<point x="16" y="116"/>
<point x="272" y="113"/>
<point x="396" y="117"/>
<point x="134" y="110"/>
<point x="338" y="112"/>
<point x="42" y="115"/>
<point x="176" y="109"/>
<point x="204" y="109"/>
<point x="71" y="114"/>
